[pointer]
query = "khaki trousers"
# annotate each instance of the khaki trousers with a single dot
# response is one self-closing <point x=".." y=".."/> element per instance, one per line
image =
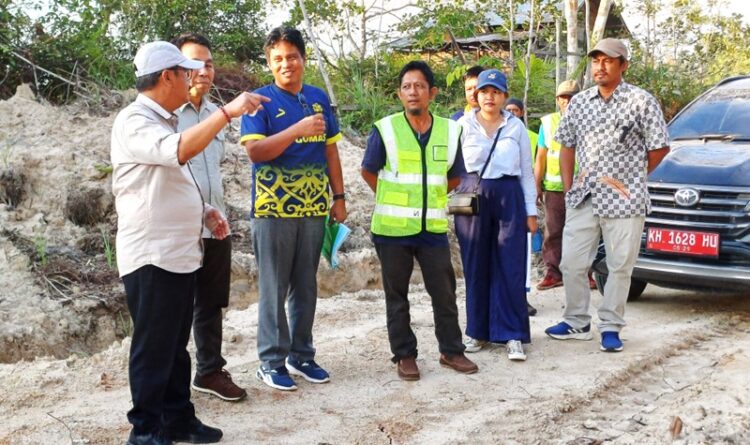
<point x="581" y="234"/>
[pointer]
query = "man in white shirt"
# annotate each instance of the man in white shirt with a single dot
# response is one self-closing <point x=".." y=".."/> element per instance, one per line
<point x="160" y="218"/>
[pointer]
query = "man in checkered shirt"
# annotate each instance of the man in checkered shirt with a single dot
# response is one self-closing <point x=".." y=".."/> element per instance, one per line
<point x="617" y="133"/>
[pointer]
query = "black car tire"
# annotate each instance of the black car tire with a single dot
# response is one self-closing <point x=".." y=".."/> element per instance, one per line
<point x="636" y="286"/>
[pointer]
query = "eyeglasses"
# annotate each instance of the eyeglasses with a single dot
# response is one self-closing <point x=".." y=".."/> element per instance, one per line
<point x="188" y="73"/>
<point x="305" y="106"/>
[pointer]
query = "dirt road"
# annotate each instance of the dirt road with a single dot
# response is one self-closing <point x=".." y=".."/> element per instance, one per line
<point x="686" y="355"/>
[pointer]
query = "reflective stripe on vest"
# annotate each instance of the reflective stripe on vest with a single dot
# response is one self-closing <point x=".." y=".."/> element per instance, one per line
<point x="404" y="178"/>
<point x="400" y="206"/>
<point x="404" y="212"/>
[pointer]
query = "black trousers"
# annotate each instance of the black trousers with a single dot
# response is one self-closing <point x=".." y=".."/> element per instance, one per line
<point x="211" y="295"/>
<point x="161" y="306"/>
<point x="397" y="264"/>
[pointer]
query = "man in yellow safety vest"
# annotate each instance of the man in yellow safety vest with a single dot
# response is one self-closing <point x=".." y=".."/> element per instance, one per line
<point x="549" y="187"/>
<point x="411" y="162"/>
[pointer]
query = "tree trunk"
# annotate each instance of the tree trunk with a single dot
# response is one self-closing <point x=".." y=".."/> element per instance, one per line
<point x="587" y="23"/>
<point x="598" y="32"/>
<point x="363" y="24"/>
<point x="557" y="52"/>
<point x="601" y="21"/>
<point x="571" y="18"/>
<point x="510" y="35"/>
<point x="528" y="64"/>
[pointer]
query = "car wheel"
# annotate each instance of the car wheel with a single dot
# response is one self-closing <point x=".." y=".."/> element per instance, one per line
<point x="636" y="286"/>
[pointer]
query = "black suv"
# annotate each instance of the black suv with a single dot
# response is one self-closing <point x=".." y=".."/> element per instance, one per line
<point x="698" y="233"/>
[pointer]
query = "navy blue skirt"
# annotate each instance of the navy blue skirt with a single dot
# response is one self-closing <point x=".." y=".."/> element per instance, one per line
<point x="493" y="253"/>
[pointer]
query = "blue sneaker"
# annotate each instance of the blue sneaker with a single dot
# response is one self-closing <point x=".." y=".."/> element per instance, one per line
<point x="611" y="342"/>
<point x="309" y="370"/>
<point x="276" y="378"/>
<point x="564" y="331"/>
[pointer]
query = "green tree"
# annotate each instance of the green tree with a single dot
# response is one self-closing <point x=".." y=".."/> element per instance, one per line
<point x="430" y="27"/>
<point x="14" y="25"/>
<point x="235" y="27"/>
<point x="79" y="46"/>
<point x="699" y="44"/>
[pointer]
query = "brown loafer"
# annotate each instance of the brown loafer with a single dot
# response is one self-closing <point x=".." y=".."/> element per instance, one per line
<point x="459" y="363"/>
<point x="407" y="369"/>
<point x="219" y="383"/>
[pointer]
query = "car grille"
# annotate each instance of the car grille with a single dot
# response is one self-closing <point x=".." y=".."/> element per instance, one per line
<point x="723" y="210"/>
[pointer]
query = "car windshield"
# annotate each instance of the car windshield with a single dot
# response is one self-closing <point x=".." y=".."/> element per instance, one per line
<point x="725" y="111"/>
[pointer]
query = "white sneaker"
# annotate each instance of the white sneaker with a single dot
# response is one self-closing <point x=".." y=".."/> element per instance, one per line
<point x="515" y="350"/>
<point x="474" y="345"/>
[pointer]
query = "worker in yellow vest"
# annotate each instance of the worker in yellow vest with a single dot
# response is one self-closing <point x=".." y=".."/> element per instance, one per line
<point x="550" y="188"/>
<point x="412" y="160"/>
<point x="516" y="107"/>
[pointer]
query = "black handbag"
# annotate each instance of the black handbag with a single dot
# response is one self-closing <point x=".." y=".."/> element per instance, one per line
<point x="467" y="203"/>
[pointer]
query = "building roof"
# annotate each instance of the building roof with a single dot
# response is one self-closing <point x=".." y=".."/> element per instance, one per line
<point x="494" y="20"/>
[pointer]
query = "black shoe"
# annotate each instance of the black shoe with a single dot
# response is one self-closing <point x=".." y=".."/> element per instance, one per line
<point x="532" y="310"/>
<point x="148" y="439"/>
<point x="194" y="432"/>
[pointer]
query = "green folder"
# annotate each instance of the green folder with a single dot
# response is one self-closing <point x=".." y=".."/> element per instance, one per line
<point x="334" y="237"/>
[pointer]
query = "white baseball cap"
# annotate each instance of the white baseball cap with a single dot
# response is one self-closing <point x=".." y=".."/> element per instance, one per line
<point x="158" y="56"/>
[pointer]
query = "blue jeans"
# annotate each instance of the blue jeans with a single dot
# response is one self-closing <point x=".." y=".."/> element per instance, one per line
<point x="287" y="252"/>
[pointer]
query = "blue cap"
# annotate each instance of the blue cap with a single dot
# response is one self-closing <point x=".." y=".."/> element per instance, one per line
<point x="493" y="78"/>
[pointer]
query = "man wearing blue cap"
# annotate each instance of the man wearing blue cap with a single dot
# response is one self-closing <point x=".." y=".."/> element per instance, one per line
<point x="160" y="215"/>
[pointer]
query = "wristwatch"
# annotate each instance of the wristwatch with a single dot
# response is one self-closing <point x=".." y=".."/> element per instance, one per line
<point x="338" y="196"/>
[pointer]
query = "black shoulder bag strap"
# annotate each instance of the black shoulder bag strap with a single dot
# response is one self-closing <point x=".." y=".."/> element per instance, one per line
<point x="487" y="162"/>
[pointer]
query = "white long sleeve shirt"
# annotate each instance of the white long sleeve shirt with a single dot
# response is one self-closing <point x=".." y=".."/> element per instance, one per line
<point x="512" y="156"/>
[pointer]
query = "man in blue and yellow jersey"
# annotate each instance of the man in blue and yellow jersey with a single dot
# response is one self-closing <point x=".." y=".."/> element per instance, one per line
<point x="296" y="166"/>
<point x="411" y="162"/>
<point x="470" y="84"/>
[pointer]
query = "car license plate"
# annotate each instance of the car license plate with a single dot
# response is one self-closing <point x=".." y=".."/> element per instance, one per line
<point x="685" y="242"/>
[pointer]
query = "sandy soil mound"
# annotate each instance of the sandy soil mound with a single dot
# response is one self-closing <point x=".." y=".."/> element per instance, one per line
<point x="56" y="275"/>
<point x="56" y="288"/>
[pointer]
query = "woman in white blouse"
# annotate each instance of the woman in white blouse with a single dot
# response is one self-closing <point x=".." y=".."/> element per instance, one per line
<point x="493" y="243"/>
